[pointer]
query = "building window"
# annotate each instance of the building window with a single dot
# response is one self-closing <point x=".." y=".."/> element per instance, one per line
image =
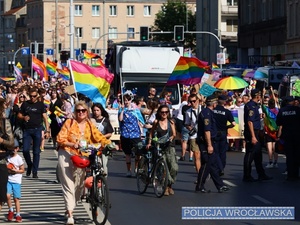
<point x="112" y="33"/>
<point x="78" y="32"/>
<point x="113" y="10"/>
<point x="232" y="2"/>
<point x="130" y="10"/>
<point x="231" y="25"/>
<point x="95" y="32"/>
<point x="131" y="31"/>
<point x="95" y="10"/>
<point x="78" y="10"/>
<point x="147" y="10"/>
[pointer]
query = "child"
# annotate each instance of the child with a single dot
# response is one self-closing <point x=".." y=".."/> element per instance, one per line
<point x="15" y="169"/>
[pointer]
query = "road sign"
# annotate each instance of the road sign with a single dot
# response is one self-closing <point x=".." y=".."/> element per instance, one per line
<point x="49" y="51"/>
<point x="19" y="65"/>
<point x="221" y="58"/>
<point x="25" y="51"/>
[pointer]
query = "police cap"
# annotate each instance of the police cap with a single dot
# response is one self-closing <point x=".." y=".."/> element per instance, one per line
<point x="255" y="92"/>
<point x="223" y="97"/>
<point x="211" y="98"/>
<point x="289" y="99"/>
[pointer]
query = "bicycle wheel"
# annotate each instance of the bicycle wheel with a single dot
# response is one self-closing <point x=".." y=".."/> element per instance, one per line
<point x="160" y="178"/>
<point x="100" y="200"/>
<point x="142" y="179"/>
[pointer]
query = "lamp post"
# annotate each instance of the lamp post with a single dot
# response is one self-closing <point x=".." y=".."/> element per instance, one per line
<point x="53" y="42"/>
<point x="71" y="30"/>
<point x="104" y="41"/>
<point x="11" y="66"/>
<point x="56" y="31"/>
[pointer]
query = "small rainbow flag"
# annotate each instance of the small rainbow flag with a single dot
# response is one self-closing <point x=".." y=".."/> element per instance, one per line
<point x="92" y="82"/>
<point x="98" y="62"/>
<point x="18" y="73"/>
<point x="8" y="78"/>
<point x="270" y="121"/>
<point x="51" y="67"/>
<point x="64" y="73"/>
<point x="40" y="68"/>
<point x="47" y="103"/>
<point x="188" y="71"/>
<point x="89" y="55"/>
<point x="214" y="66"/>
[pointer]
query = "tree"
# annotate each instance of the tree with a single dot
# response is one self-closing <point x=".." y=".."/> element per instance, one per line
<point x="175" y="12"/>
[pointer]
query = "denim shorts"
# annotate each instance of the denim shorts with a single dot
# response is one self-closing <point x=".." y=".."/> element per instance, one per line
<point x="184" y="134"/>
<point x="14" y="188"/>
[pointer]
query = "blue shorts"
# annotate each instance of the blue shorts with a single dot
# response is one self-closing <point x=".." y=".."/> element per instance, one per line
<point x="14" y="189"/>
<point x="184" y="134"/>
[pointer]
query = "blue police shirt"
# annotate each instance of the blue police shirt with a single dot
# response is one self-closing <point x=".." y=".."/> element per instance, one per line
<point x="222" y="115"/>
<point x="206" y="122"/>
<point x="289" y="118"/>
<point x="251" y="113"/>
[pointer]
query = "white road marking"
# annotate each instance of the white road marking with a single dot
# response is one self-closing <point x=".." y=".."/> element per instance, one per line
<point x="229" y="183"/>
<point x="262" y="199"/>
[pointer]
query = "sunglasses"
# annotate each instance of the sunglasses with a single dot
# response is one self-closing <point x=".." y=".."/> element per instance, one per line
<point x="239" y="101"/>
<point x="32" y="96"/>
<point x="81" y="110"/>
<point x="164" y="112"/>
<point x="21" y="96"/>
<point x="193" y="101"/>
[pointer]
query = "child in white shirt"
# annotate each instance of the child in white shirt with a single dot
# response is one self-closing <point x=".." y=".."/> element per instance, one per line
<point x="15" y="169"/>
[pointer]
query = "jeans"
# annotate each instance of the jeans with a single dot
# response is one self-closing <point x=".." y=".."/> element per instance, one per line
<point x="35" y="136"/>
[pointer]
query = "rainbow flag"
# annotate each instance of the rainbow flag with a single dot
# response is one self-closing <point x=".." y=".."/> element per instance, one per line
<point x="98" y="62"/>
<point x="64" y="73"/>
<point x="40" y="68"/>
<point x="18" y="73"/>
<point x="51" y="67"/>
<point x="89" y="55"/>
<point x="92" y="82"/>
<point x="47" y="103"/>
<point x="214" y="66"/>
<point x="8" y="78"/>
<point x="270" y="121"/>
<point x="187" y="71"/>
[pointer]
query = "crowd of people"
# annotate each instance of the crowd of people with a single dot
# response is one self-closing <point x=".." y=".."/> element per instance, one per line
<point x="33" y="113"/>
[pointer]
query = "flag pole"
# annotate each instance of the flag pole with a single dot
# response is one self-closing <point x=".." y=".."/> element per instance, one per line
<point x="72" y="80"/>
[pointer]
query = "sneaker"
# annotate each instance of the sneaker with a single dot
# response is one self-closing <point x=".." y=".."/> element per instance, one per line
<point x="275" y="165"/>
<point x="128" y="174"/>
<point x="182" y="158"/>
<point x="42" y="149"/>
<point x="35" y="175"/>
<point x="191" y="159"/>
<point x="10" y="216"/>
<point x="270" y="165"/>
<point x="243" y="150"/>
<point x="28" y="172"/>
<point x="70" y="221"/>
<point x="18" y="219"/>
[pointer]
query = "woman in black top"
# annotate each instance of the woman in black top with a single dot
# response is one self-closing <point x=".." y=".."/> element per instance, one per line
<point x="164" y="125"/>
<point x="55" y="128"/>
<point x="102" y="120"/>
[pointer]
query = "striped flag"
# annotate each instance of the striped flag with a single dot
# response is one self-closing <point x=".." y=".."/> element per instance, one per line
<point x="40" y="68"/>
<point x="18" y="73"/>
<point x="92" y="82"/>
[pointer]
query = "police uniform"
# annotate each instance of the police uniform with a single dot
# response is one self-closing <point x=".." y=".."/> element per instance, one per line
<point x="253" y="151"/>
<point x="289" y="118"/>
<point x="209" y="162"/>
<point x="222" y="116"/>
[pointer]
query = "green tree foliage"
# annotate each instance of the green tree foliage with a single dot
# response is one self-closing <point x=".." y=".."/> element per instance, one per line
<point x="175" y="12"/>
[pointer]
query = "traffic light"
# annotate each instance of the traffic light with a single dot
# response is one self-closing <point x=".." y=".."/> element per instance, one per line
<point x="178" y="33"/>
<point x="144" y="33"/>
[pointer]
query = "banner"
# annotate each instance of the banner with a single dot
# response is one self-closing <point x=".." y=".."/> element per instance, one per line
<point x="237" y="132"/>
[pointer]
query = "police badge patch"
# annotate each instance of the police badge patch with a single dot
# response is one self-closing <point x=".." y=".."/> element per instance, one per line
<point x="206" y="122"/>
<point x="251" y="113"/>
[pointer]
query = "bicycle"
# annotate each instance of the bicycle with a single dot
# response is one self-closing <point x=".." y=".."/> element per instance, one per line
<point x="96" y="183"/>
<point x="152" y="169"/>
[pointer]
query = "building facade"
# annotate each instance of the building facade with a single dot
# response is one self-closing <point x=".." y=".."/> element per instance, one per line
<point x="219" y="17"/>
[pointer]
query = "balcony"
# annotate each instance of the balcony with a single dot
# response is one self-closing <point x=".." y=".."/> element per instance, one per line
<point x="229" y="10"/>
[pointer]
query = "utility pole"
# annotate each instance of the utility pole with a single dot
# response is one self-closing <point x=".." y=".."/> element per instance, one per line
<point x="56" y="55"/>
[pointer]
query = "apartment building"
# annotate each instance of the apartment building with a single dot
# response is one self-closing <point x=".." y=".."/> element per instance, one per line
<point x="219" y="17"/>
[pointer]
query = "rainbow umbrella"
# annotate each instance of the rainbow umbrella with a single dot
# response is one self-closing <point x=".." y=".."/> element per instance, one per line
<point x="259" y="74"/>
<point x="231" y="83"/>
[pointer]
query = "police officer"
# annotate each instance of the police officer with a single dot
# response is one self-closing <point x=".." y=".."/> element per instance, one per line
<point x="251" y="134"/>
<point x="222" y="116"/>
<point x="288" y="119"/>
<point x="207" y="133"/>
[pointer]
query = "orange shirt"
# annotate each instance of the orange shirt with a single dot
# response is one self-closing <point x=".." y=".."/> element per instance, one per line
<point x="70" y="132"/>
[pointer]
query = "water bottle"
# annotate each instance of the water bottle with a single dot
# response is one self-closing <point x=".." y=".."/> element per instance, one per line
<point x="82" y="142"/>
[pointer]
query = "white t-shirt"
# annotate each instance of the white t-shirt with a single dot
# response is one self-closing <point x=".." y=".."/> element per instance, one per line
<point x="17" y="161"/>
